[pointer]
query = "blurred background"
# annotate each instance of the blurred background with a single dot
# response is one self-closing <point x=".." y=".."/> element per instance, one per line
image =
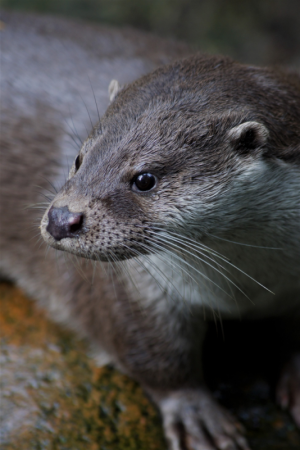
<point x="256" y="31"/>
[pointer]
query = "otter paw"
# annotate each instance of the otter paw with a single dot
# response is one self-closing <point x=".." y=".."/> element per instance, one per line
<point x="194" y="421"/>
<point x="288" y="389"/>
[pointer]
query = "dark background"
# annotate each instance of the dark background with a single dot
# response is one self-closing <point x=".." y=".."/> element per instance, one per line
<point x="255" y="31"/>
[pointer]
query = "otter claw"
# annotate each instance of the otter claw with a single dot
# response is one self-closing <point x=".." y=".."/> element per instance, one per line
<point x="194" y="421"/>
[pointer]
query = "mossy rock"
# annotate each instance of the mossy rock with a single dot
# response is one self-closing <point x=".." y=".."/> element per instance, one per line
<point x="54" y="397"/>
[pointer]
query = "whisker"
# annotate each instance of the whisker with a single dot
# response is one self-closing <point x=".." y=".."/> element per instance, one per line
<point x="218" y="255"/>
<point x="139" y="255"/>
<point x="82" y="99"/>
<point x="112" y="266"/>
<point x="196" y="270"/>
<point x="52" y="185"/>
<point x="245" y="245"/>
<point x="189" y="276"/>
<point x="42" y="205"/>
<point x="188" y="252"/>
<point x="95" y="103"/>
<point x="74" y="129"/>
<point x="191" y="241"/>
<point x="70" y="135"/>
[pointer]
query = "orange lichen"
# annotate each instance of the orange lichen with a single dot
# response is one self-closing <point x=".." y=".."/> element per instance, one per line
<point x="53" y="395"/>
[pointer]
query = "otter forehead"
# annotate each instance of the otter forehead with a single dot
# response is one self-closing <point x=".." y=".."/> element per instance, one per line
<point x="206" y="83"/>
<point x="191" y="101"/>
<point x="163" y="141"/>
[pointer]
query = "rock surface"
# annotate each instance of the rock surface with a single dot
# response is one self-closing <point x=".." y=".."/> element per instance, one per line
<point x="53" y="397"/>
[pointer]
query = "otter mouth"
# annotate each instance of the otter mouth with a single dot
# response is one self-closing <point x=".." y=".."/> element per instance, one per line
<point x="68" y="231"/>
<point x="75" y="246"/>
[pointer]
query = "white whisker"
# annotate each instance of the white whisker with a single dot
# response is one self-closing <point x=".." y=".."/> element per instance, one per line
<point x="175" y="255"/>
<point x="218" y="255"/>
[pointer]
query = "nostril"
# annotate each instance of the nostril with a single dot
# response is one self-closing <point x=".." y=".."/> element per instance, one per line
<point x="75" y="222"/>
<point x="63" y="223"/>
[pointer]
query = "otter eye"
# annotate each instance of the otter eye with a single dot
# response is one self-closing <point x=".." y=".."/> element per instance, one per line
<point x="144" y="182"/>
<point x="77" y="163"/>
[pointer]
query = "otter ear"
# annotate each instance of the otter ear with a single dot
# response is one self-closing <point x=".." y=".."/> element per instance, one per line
<point x="113" y="89"/>
<point x="248" y="136"/>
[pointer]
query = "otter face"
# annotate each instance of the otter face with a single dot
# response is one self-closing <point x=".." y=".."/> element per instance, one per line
<point x="167" y="154"/>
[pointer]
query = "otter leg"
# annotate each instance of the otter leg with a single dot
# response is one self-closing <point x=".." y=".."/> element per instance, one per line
<point x="160" y="346"/>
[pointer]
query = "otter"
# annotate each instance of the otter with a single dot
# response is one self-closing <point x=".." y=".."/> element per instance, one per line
<point x="187" y="188"/>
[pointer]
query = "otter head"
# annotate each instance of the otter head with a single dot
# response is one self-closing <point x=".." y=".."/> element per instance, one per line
<point x="167" y="156"/>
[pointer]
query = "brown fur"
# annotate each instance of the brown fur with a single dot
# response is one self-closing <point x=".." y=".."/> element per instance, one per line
<point x="184" y="123"/>
<point x="205" y="127"/>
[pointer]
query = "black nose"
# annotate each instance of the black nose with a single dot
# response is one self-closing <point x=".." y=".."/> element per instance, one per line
<point x="63" y="223"/>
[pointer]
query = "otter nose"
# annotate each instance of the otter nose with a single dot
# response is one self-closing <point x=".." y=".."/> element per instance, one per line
<point x="63" y="223"/>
